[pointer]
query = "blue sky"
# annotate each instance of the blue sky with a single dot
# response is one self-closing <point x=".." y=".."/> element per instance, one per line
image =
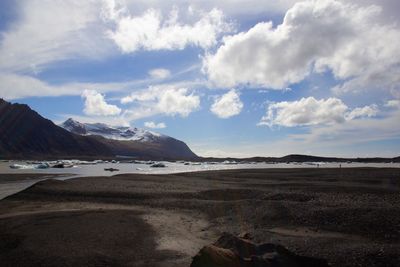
<point x="230" y="78"/>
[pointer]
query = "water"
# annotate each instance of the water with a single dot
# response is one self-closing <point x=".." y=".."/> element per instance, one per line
<point x="10" y="187"/>
<point x="174" y="167"/>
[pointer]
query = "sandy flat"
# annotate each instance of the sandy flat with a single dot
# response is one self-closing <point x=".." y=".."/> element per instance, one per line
<point x="351" y="217"/>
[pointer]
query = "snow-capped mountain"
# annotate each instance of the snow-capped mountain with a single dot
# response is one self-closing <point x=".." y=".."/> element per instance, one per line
<point x="110" y="132"/>
<point x="26" y="134"/>
<point x="132" y="141"/>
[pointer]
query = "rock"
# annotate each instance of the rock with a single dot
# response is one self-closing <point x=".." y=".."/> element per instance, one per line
<point x="246" y="235"/>
<point x="158" y="165"/>
<point x="232" y="251"/>
<point x="58" y="166"/>
<point x="111" y="169"/>
<point x="213" y="256"/>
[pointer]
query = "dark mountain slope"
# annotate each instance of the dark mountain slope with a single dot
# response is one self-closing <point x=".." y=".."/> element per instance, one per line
<point x="26" y="134"/>
<point x="165" y="149"/>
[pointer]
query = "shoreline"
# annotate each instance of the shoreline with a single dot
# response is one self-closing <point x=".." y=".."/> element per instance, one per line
<point x="13" y="183"/>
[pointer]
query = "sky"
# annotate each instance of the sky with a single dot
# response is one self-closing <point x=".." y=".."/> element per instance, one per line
<point x="233" y="78"/>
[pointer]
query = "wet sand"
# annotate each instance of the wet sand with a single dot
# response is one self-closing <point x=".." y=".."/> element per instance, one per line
<point x="351" y="217"/>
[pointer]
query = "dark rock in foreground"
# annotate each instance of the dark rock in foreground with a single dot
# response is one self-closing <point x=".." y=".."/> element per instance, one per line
<point x="232" y="251"/>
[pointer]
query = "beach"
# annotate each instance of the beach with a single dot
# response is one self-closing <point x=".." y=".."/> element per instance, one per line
<point x="348" y="216"/>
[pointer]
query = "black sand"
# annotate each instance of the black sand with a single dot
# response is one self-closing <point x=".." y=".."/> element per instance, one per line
<point x="18" y="177"/>
<point x="78" y="238"/>
<point x="351" y="217"/>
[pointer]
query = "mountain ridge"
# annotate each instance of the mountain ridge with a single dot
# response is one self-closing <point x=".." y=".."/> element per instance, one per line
<point x="306" y="158"/>
<point x="132" y="142"/>
<point x="26" y="134"/>
<point x="122" y="133"/>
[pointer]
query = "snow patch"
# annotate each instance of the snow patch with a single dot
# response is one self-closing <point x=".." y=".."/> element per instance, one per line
<point x="111" y="132"/>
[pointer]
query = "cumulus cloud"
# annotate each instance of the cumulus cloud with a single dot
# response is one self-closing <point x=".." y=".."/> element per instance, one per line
<point x="159" y="73"/>
<point x="377" y="78"/>
<point x="354" y="131"/>
<point x="310" y="111"/>
<point x="306" y="111"/>
<point x="315" y="36"/>
<point x="151" y="31"/>
<point x="153" y="125"/>
<point x="166" y="99"/>
<point x="96" y="105"/>
<point x="394" y="103"/>
<point x="367" y="111"/>
<point x="227" y="105"/>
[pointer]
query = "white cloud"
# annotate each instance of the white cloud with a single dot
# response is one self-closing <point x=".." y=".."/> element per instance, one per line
<point x="306" y="111"/>
<point x="75" y="29"/>
<point x="354" y="131"/>
<point x="162" y="99"/>
<point x="178" y="102"/>
<point x="310" y="111"/>
<point x="14" y="86"/>
<point x="315" y="36"/>
<point x="234" y="8"/>
<point x="378" y="78"/>
<point x="367" y="111"/>
<point x="49" y="31"/>
<point x="153" y="125"/>
<point x="227" y="105"/>
<point x="95" y="104"/>
<point x="159" y="73"/>
<point x="394" y="103"/>
<point x="33" y="41"/>
<point x="151" y="31"/>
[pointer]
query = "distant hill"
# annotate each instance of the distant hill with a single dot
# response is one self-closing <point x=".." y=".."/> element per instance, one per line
<point x="304" y="158"/>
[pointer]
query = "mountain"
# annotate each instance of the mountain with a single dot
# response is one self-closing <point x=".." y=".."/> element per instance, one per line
<point x="109" y="132"/>
<point x="26" y="134"/>
<point x="132" y="142"/>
